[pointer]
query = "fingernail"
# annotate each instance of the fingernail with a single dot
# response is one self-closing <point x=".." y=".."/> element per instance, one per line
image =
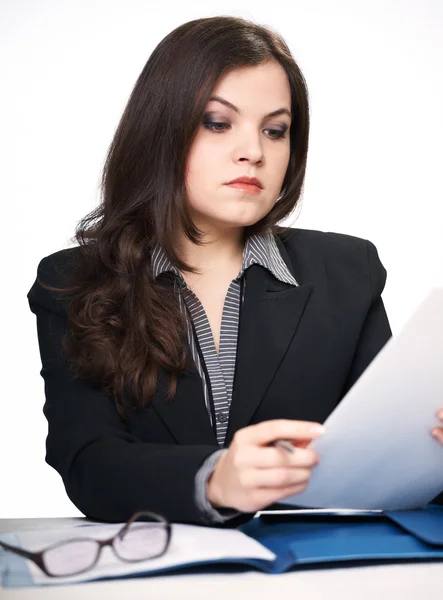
<point x="317" y="428"/>
<point x="440" y="414"/>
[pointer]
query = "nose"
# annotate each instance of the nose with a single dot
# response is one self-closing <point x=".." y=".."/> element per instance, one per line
<point x="249" y="147"/>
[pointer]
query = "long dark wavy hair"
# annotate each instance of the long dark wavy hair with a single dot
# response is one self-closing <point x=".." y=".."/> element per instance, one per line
<point x="123" y="325"/>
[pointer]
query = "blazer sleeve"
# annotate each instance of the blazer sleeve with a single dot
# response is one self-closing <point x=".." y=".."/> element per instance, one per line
<point x="108" y="473"/>
<point x="376" y="330"/>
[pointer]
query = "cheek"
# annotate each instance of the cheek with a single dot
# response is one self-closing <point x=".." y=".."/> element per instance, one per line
<point x="281" y="161"/>
<point x="203" y="167"/>
<point x="199" y="179"/>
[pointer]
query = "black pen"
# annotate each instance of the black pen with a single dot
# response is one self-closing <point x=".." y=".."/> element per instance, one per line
<point x="285" y="444"/>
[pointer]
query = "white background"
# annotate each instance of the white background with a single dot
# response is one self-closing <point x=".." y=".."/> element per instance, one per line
<point x="374" y="71"/>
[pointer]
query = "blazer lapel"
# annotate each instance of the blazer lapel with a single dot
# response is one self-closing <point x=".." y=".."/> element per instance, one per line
<point x="186" y="415"/>
<point x="270" y="315"/>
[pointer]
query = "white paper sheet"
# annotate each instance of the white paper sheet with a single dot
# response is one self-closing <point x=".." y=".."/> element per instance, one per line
<point x="377" y="451"/>
<point x="189" y="544"/>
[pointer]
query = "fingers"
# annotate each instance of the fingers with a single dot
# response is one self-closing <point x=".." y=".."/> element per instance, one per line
<point x="252" y="474"/>
<point x="280" y="477"/>
<point x="268" y="431"/>
<point x="437" y="433"/>
<point x="270" y="457"/>
<point x="303" y="444"/>
<point x="263" y="497"/>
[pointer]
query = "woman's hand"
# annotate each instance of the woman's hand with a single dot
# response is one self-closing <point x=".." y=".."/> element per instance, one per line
<point x="251" y="475"/>
<point x="437" y="432"/>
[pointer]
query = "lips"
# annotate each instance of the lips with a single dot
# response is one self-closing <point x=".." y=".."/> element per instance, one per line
<point x="247" y="180"/>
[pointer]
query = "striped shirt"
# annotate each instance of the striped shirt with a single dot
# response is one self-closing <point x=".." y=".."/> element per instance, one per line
<point x="217" y="370"/>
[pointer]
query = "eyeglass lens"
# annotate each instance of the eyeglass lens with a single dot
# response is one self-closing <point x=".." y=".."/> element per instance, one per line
<point x="71" y="557"/>
<point x="140" y="541"/>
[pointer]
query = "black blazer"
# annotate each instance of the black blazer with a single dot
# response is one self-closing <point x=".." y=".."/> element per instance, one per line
<point x="299" y="350"/>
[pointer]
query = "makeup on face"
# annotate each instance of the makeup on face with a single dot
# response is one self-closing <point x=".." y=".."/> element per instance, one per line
<point x="278" y="132"/>
<point x="211" y="123"/>
<point x="245" y="187"/>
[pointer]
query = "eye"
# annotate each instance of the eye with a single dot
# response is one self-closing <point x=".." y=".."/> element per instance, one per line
<point x="214" y="126"/>
<point x="280" y="133"/>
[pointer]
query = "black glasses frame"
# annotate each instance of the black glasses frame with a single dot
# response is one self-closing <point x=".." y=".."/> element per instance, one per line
<point x="37" y="557"/>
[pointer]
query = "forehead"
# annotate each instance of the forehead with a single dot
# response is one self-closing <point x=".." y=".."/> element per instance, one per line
<point x="262" y="86"/>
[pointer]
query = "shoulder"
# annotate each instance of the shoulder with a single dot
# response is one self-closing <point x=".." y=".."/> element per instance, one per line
<point x="316" y="241"/>
<point x="51" y="271"/>
<point x="57" y="263"/>
<point x="340" y="255"/>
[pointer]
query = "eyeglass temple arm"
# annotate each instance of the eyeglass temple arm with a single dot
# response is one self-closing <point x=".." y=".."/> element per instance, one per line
<point x="20" y="551"/>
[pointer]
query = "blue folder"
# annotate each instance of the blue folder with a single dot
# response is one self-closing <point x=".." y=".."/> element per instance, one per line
<point x="300" y="540"/>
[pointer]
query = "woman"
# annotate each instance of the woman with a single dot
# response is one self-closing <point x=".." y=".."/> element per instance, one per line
<point x="192" y="331"/>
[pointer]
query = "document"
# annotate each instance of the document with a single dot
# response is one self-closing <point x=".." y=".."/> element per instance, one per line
<point x="377" y="452"/>
<point x="189" y="545"/>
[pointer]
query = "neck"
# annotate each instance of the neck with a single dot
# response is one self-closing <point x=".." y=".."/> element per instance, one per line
<point x="220" y="249"/>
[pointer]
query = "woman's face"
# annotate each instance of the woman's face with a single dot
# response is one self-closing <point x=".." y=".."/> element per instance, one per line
<point x="244" y="143"/>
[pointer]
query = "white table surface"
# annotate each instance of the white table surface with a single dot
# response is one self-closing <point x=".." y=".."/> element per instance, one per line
<point x="407" y="581"/>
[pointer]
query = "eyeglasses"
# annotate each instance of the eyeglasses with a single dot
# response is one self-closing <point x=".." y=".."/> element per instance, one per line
<point x="134" y="542"/>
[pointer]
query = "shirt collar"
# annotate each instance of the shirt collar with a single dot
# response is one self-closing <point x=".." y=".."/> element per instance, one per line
<point x="260" y="249"/>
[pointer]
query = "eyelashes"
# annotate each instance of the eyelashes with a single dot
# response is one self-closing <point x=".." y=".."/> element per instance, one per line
<point x="211" y="125"/>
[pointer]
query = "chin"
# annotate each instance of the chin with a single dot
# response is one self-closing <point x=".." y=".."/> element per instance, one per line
<point x="244" y="216"/>
<point x="236" y="222"/>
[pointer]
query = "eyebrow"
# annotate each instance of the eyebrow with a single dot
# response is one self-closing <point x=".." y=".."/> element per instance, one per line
<point x="274" y="113"/>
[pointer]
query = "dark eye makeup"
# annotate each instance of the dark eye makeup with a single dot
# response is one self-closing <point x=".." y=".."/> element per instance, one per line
<point x="213" y="126"/>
